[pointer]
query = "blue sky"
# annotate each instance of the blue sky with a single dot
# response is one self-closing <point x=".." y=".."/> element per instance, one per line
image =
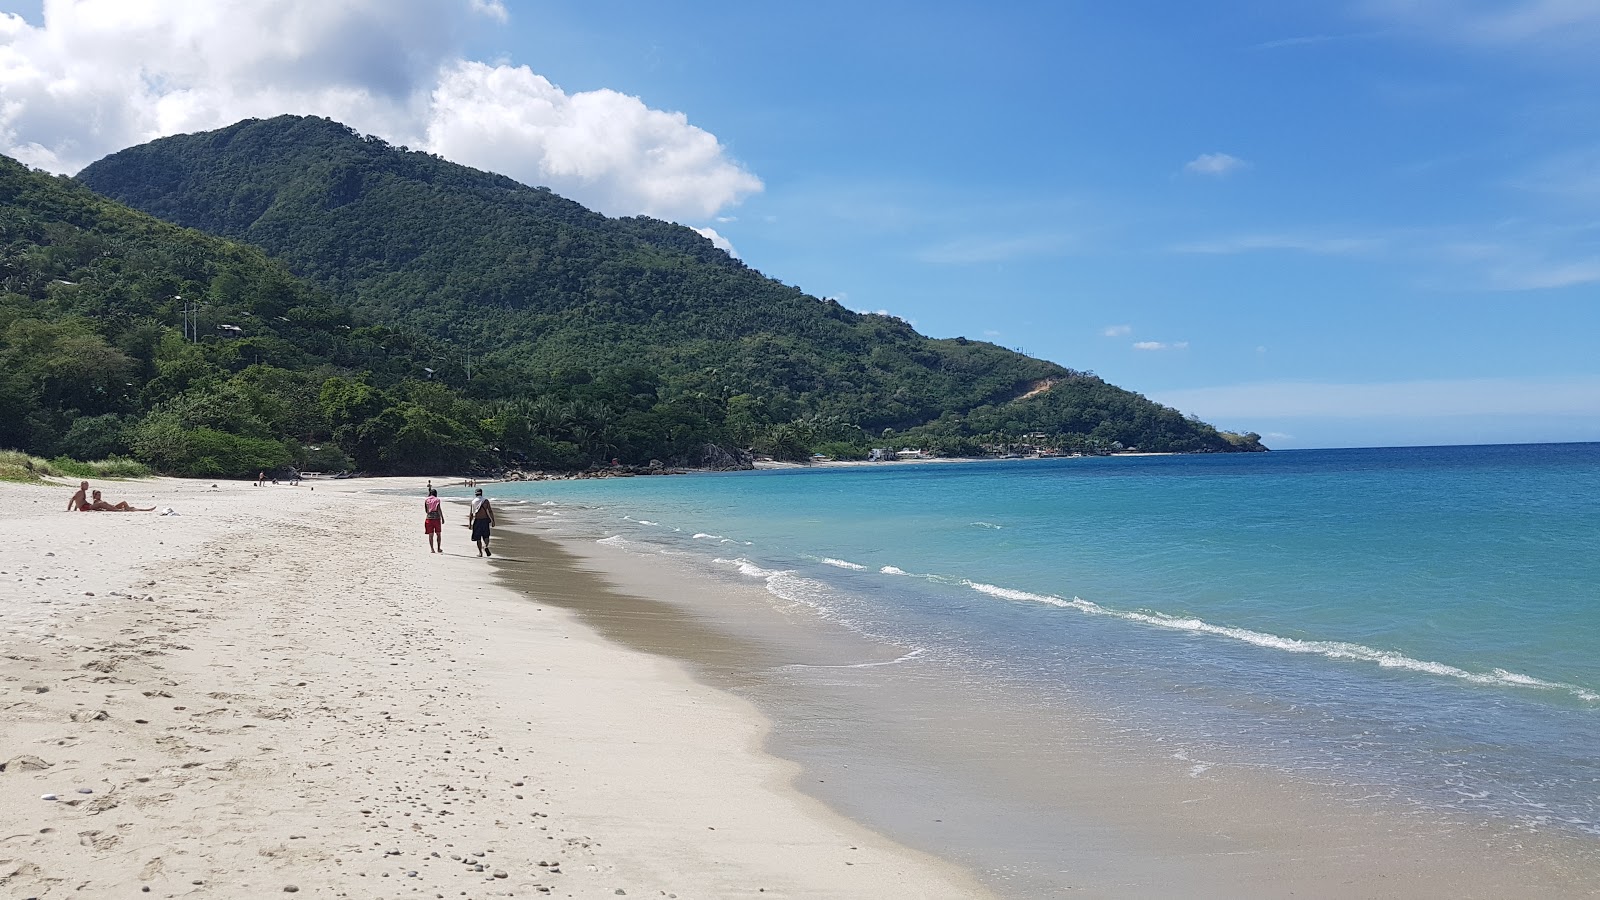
<point x="1350" y="223"/>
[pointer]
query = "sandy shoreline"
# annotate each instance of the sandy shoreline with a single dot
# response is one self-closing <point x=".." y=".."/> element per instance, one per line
<point x="1034" y="802"/>
<point x="279" y="690"/>
<point x="934" y="460"/>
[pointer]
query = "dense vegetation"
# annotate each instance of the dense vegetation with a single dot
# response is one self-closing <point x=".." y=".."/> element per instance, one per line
<point x="560" y="336"/>
<point x="97" y="358"/>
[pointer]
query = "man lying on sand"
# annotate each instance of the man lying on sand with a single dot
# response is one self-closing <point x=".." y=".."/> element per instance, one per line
<point x="119" y="506"/>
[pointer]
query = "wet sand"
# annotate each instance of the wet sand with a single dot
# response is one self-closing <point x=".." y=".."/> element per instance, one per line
<point x="1035" y="803"/>
<point x="279" y="690"/>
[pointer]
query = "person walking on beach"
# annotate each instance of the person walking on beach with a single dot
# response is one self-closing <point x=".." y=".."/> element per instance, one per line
<point x="482" y="517"/>
<point x="433" y="521"/>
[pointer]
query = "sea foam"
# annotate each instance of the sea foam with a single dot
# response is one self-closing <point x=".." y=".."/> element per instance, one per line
<point x="1387" y="659"/>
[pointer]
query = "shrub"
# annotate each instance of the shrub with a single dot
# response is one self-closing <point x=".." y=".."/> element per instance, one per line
<point x="112" y="467"/>
<point x="18" y="466"/>
<point x="94" y="437"/>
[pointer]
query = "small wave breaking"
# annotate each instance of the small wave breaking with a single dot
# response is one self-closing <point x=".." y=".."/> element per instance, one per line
<point x="903" y="658"/>
<point x="787" y="584"/>
<point x="1387" y="659"/>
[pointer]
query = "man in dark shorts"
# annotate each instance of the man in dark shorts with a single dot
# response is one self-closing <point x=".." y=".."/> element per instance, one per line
<point x="433" y="521"/>
<point x="482" y="516"/>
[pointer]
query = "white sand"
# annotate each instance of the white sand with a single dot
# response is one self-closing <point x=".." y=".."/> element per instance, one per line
<point x="281" y="688"/>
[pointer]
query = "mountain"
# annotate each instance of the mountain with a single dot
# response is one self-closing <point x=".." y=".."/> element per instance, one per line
<point x="531" y="293"/>
<point x="121" y="334"/>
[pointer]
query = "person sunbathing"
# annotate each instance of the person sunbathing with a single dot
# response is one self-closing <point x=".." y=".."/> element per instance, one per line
<point x="80" y="500"/>
<point x="119" y="506"/>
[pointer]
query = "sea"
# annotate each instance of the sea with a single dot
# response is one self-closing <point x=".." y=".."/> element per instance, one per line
<point x="1417" y="626"/>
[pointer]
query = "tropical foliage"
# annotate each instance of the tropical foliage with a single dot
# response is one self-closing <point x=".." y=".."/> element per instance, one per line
<point x="566" y="337"/>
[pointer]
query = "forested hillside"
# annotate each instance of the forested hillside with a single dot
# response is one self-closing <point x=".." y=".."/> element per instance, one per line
<point x="124" y="335"/>
<point x="522" y="294"/>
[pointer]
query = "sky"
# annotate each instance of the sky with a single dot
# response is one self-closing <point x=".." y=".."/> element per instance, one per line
<point x="1344" y="223"/>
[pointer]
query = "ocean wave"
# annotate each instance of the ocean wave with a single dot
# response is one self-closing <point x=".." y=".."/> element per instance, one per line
<point x="985" y="525"/>
<point x="704" y="536"/>
<point x="903" y="658"/>
<point x="787" y="584"/>
<point x="892" y="570"/>
<point x="1388" y="659"/>
<point x="842" y="563"/>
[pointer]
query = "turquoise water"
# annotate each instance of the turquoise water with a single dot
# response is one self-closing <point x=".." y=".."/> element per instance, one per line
<point x="1422" y="622"/>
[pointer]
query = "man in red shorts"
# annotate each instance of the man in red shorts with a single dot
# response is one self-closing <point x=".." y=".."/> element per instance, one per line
<point x="433" y="522"/>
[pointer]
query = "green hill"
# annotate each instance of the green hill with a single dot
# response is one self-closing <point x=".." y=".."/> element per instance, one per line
<point x="124" y="335"/>
<point x="543" y="296"/>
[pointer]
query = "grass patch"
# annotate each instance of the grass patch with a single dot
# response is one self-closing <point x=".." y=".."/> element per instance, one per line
<point x="18" y="466"/>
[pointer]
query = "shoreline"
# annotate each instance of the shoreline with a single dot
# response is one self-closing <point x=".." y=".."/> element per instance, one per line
<point x="765" y="464"/>
<point x="279" y="688"/>
<point x="936" y="762"/>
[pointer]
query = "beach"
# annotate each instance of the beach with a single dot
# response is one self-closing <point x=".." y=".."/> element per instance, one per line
<point x="279" y="690"/>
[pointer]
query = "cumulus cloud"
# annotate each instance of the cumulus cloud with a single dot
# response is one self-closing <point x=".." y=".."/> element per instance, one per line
<point x="1215" y="164"/>
<point x="99" y="75"/>
<point x="1117" y="330"/>
<point x="1160" y="345"/>
<point x="511" y="120"/>
<point x="721" y="242"/>
<point x="494" y="9"/>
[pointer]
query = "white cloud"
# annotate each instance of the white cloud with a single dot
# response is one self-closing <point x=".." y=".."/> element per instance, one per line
<point x="100" y="75"/>
<point x="1160" y="345"/>
<point x="1312" y="39"/>
<point x="1117" y="330"/>
<point x="494" y="9"/>
<point x="1547" y="276"/>
<point x="1572" y="177"/>
<point x="1250" y="243"/>
<point x="1513" y="255"/>
<point x="1566" y="24"/>
<point x="1575" y="396"/>
<point x="721" y="242"/>
<point x="511" y="120"/>
<point x="1215" y="164"/>
<point x="987" y="249"/>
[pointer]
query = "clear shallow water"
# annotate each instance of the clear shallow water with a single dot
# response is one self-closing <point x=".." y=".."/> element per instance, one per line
<point x="1421" y="623"/>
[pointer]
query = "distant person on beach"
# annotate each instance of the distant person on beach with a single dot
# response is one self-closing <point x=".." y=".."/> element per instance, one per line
<point x="119" y="506"/>
<point x="433" y="521"/>
<point x="80" y="500"/>
<point x="482" y="517"/>
<point x="261" y="479"/>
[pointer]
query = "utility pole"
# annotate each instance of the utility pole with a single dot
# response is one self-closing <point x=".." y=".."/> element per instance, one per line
<point x="191" y="319"/>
